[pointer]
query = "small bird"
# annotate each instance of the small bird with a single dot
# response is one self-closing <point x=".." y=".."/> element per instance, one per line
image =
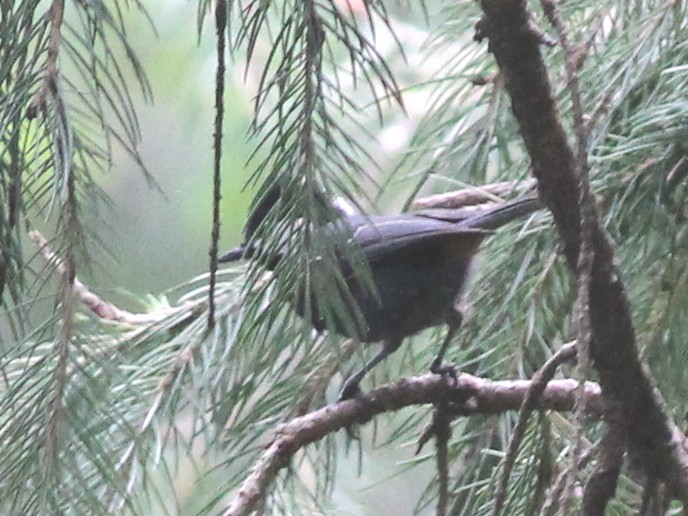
<point x="418" y="264"/>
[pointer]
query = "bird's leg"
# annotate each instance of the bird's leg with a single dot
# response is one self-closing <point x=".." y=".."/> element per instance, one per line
<point x="351" y="385"/>
<point x="439" y="426"/>
<point x="454" y="320"/>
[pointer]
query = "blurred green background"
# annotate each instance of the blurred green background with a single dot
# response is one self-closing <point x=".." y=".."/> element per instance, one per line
<point x="159" y="236"/>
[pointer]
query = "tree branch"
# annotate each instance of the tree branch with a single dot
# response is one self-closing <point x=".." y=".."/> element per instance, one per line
<point x="652" y="436"/>
<point x="442" y="431"/>
<point x="468" y="395"/>
<point x="473" y="195"/>
<point x="103" y="309"/>
<point x="588" y="220"/>
<point x="601" y="485"/>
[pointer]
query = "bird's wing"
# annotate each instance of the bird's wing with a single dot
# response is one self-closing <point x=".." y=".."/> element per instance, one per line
<point x="382" y="237"/>
<point x="453" y="215"/>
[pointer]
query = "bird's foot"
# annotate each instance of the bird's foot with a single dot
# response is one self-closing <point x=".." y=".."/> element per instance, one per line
<point x="351" y="389"/>
<point x="445" y="370"/>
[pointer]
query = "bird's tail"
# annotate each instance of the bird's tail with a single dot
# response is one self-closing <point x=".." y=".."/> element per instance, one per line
<point x="234" y="255"/>
<point x="503" y="214"/>
<point x="489" y="218"/>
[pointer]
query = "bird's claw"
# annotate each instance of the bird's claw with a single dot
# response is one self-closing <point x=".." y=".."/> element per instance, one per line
<point x="351" y="389"/>
<point x="445" y="370"/>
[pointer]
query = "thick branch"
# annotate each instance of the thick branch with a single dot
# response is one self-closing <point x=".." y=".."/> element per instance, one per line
<point x="601" y="485"/>
<point x="625" y="381"/>
<point x="468" y="395"/>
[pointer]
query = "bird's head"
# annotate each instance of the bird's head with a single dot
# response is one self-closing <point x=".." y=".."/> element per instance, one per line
<point x="266" y="205"/>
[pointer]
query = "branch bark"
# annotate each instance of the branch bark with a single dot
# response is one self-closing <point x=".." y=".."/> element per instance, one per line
<point x="626" y="382"/>
<point x="467" y="396"/>
<point x="601" y="485"/>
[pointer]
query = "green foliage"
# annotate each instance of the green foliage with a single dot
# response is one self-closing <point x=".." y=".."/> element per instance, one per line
<point x="97" y="416"/>
<point x="67" y="102"/>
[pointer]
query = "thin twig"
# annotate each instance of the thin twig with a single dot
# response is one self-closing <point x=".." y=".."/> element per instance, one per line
<point x="588" y="219"/>
<point x="50" y="72"/>
<point x="473" y="195"/>
<point x="439" y="427"/>
<point x="538" y="386"/>
<point x="103" y="309"/>
<point x="442" y="431"/>
<point x="476" y="395"/>
<point x="220" y="27"/>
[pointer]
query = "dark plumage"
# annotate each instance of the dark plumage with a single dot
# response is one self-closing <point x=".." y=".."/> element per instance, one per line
<point x="418" y="263"/>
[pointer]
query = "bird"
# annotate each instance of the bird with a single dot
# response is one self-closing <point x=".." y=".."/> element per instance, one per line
<point x="417" y="266"/>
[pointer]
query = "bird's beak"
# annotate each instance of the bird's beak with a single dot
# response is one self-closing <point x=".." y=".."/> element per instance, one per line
<point x="233" y="256"/>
